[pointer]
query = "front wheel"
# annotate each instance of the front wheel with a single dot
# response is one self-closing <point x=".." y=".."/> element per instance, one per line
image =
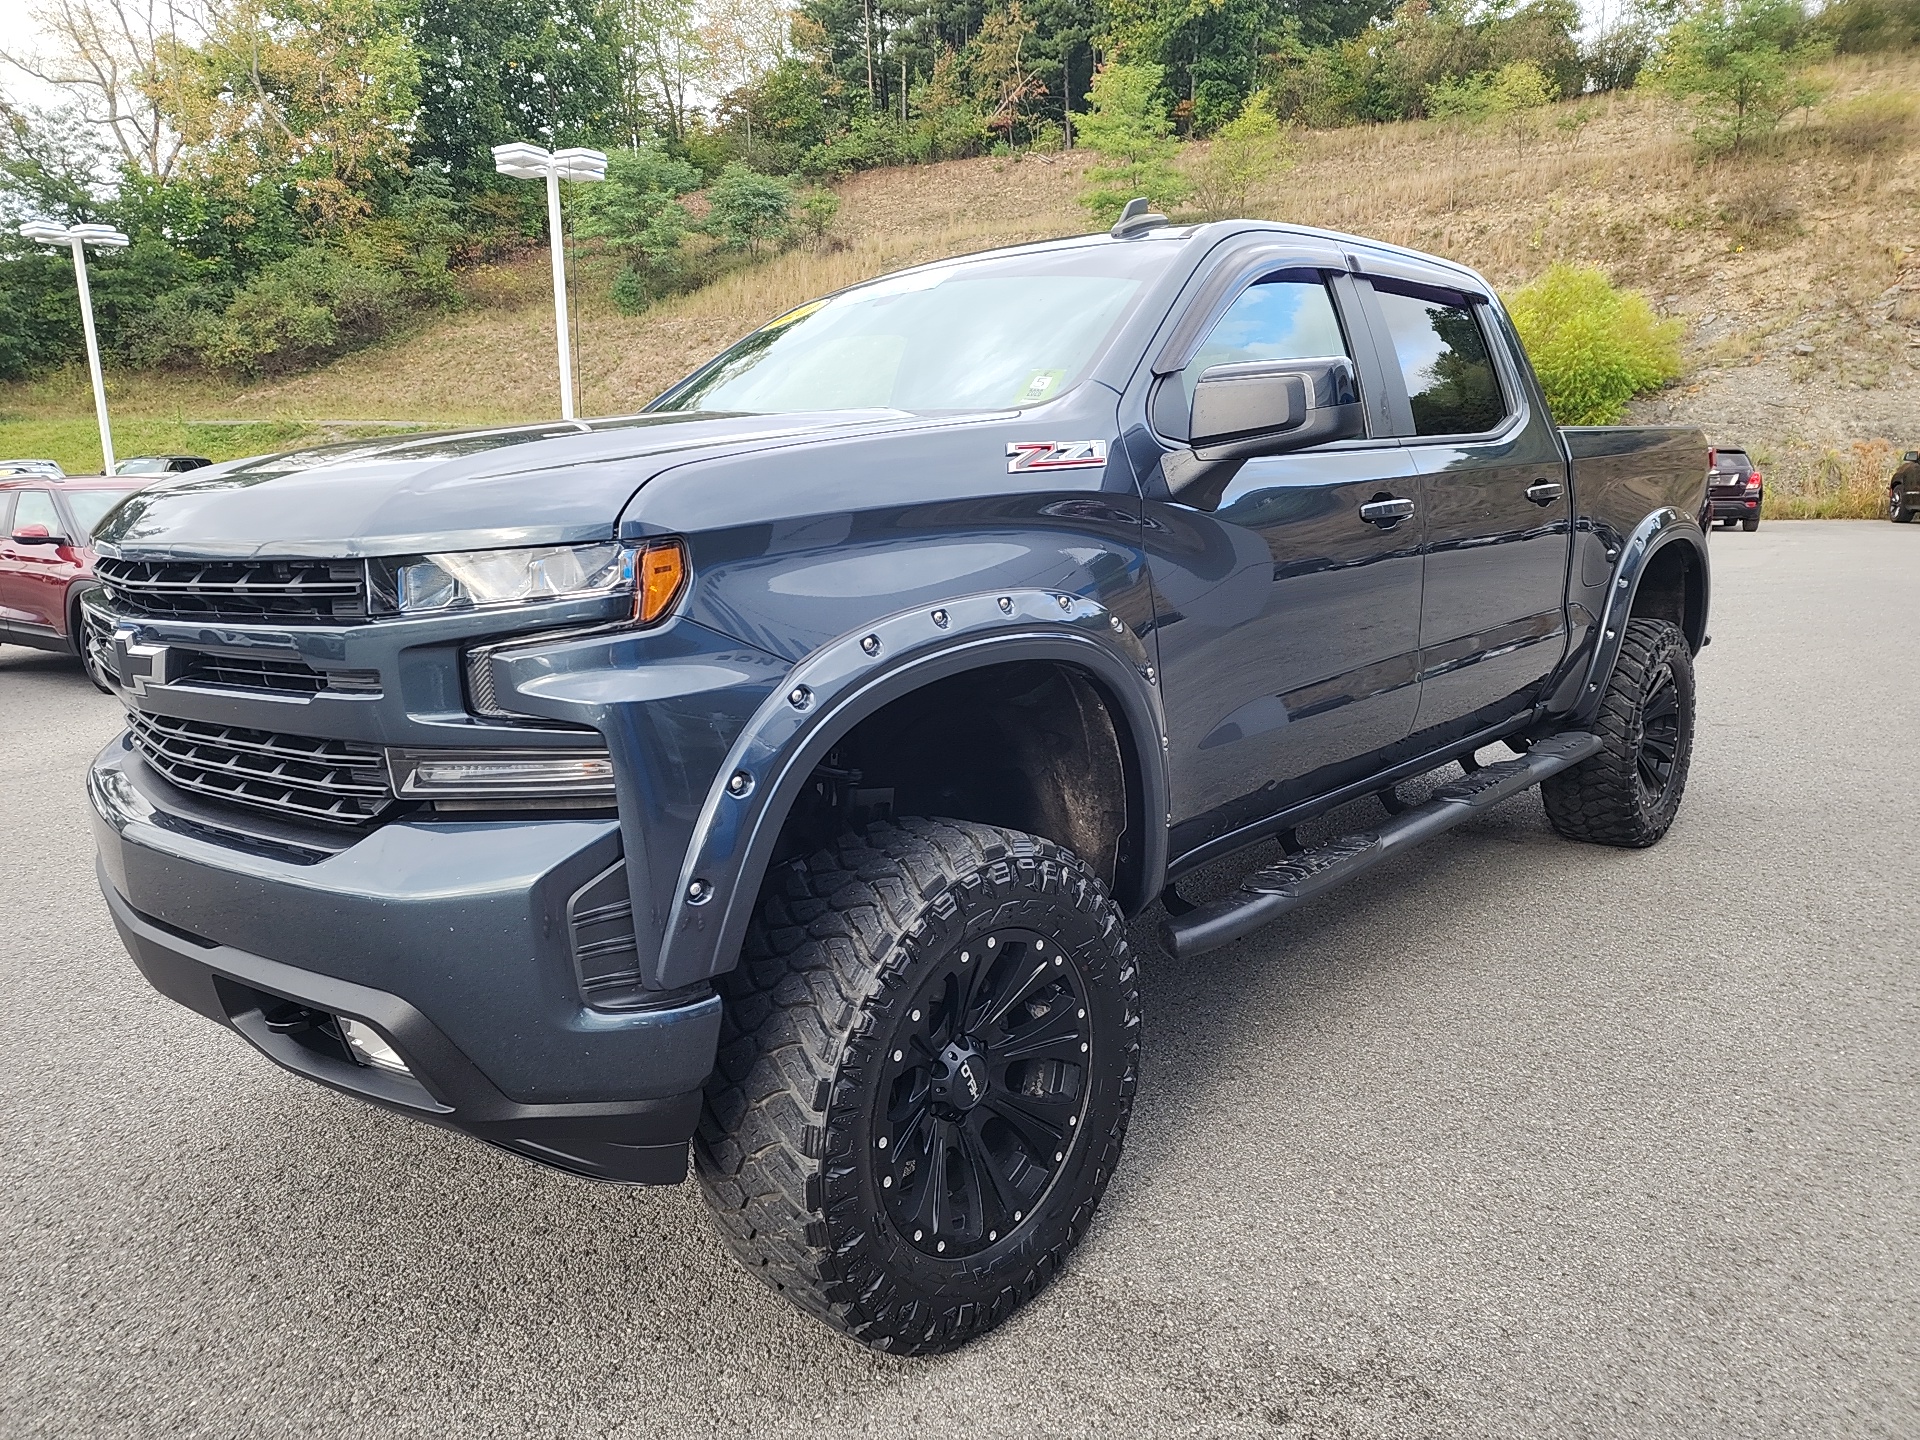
<point x="1897" y="509"/>
<point x="1629" y="792"/>
<point x="927" y="1063"/>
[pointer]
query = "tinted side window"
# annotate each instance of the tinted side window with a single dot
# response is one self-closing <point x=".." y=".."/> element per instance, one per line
<point x="1285" y="316"/>
<point x="1443" y="356"/>
<point x="36" y="508"/>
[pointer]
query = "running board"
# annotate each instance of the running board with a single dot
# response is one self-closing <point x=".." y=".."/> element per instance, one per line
<point x="1268" y="894"/>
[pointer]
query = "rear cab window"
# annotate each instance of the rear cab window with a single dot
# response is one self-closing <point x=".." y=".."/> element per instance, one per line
<point x="1440" y="343"/>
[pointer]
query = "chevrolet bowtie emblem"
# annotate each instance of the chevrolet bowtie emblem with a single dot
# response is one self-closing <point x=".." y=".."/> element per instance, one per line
<point x="138" y="665"/>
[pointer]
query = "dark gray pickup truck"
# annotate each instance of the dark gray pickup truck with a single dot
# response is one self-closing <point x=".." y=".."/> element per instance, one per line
<point x="776" y="769"/>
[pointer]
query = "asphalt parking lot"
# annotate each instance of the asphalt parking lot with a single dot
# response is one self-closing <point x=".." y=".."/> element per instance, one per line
<point x="1518" y="1138"/>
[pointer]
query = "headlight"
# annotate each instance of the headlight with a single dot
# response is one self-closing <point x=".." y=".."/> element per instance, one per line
<point x="500" y="773"/>
<point x="473" y="578"/>
<point x="654" y="574"/>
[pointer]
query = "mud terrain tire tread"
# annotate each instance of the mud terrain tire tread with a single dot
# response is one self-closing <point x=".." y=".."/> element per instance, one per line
<point x="1600" y="800"/>
<point x="829" y="955"/>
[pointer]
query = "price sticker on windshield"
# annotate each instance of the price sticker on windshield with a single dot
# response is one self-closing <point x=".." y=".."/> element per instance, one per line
<point x="1055" y="455"/>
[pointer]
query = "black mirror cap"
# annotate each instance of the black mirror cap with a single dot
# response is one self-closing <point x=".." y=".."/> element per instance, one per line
<point x="1271" y="407"/>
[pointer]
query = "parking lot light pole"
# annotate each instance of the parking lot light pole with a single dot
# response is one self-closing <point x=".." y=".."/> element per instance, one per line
<point x="77" y="238"/>
<point x="525" y="161"/>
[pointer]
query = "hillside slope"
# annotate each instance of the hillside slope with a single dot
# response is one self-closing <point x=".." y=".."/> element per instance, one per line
<point x="1797" y="268"/>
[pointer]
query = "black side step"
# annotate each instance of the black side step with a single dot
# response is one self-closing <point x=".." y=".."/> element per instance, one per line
<point x="1268" y="894"/>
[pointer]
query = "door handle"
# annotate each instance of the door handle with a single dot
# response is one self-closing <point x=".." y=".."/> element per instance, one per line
<point x="1545" y="492"/>
<point x="1386" y="512"/>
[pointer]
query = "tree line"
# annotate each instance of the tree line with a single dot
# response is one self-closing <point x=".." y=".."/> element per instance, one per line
<point x="301" y="176"/>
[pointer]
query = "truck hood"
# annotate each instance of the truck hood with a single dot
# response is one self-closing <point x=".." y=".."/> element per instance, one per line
<point x="554" y="484"/>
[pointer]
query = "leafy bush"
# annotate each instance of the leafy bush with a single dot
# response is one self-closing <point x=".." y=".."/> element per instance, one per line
<point x="1593" y="347"/>
<point x="1858" y="26"/>
<point x="1517" y="86"/>
<point x="1129" y="130"/>
<point x="314" y="305"/>
<point x="749" y="209"/>
<point x="1738" y="63"/>
<point x="1250" y="148"/>
<point x="636" y="213"/>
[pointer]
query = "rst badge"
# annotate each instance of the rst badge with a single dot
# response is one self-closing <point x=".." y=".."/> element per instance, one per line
<point x="1055" y="455"/>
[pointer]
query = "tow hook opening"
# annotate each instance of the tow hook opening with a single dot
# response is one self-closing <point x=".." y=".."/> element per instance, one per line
<point x="339" y="1036"/>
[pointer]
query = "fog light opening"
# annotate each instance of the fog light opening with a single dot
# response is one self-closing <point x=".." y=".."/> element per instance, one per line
<point x="369" y="1047"/>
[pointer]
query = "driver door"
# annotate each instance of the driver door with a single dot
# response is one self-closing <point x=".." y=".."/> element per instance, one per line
<point x="1288" y="621"/>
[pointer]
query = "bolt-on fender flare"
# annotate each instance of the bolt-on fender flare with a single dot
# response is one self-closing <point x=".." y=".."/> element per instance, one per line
<point x="849" y="678"/>
<point x="1665" y="526"/>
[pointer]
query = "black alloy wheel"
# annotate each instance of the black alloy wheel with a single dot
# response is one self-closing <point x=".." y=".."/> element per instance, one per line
<point x="981" y="1094"/>
<point x="1657" y="738"/>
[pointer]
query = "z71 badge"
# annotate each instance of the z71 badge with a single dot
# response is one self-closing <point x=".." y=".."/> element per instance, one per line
<point x="1055" y="455"/>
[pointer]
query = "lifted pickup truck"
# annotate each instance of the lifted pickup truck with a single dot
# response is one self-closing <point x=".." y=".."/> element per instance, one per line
<point x="777" y="769"/>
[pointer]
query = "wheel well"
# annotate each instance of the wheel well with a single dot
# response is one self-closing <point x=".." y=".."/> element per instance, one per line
<point x="1034" y="745"/>
<point x="1674" y="588"/>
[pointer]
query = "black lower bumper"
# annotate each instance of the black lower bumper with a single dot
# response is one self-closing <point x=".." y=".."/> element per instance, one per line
<point x="1735" y="507"/>
<point x="284" y="1010"/>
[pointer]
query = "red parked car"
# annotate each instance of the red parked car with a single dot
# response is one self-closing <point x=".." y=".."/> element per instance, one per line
<point x="46" y="554"/>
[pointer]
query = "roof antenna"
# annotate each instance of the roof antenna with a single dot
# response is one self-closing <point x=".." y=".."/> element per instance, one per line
<point x="1136" y="219"/>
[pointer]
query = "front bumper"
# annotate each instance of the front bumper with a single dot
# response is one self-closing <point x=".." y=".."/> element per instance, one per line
<point x="450" y="937"/>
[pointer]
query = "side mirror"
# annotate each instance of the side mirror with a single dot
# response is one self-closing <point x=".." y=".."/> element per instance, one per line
<point x="1912" y="457"/>
<point x="37" y="535"/>
<point x="1265" y="407"/>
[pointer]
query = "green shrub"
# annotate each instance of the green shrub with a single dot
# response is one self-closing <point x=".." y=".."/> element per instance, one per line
<point x="1249" y="149"/>
<point x="315" y="304"/>
<point x="749" y="209"/>
<point x="1593" y="347"/>
<point x="636" y="213"/>
<point x="1858" y="26"/>
<point x="1740" y="64"/>
<point x="1129" y="130"/>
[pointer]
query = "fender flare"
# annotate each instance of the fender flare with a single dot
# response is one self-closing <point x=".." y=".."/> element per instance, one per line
<point x="1665" y="526"/>
<point x="843" y="682"/>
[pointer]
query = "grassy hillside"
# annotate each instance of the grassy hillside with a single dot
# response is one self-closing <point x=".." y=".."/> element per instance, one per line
<point x="1797" y="268"/>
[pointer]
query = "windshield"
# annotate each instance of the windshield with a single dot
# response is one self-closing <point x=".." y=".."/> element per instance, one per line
<point x="978" y="335"/>
<point x="90" y="507"/>
<point x="143" y="465"/>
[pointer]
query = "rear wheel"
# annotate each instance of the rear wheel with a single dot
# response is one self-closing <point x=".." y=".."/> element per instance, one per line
<point x="1897" y="508"/>
<point x="1751" y="523"/>
<point x="926" y="1067"/>
<point x="1629" y="793"/>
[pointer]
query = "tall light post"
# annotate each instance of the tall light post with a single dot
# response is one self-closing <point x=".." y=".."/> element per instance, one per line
<point x="525" y="161"/>
<point x="77" y="238"/>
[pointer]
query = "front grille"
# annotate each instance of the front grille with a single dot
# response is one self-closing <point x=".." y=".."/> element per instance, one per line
<point x="279" y="592"/>
<point x="273" y="675"/>
<point x="332" y="780"/>
<point x="97" y="636"/>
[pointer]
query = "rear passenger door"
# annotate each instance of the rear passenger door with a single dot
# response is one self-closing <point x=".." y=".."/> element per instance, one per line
<point x="1494" y="501"/>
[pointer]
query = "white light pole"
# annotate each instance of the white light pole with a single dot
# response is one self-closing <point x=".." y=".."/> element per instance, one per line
<point x="77" y="238"/>
<point x="524" y="161"/>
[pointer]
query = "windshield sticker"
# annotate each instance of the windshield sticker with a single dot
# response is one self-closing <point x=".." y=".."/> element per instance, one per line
<point x="1055" y="455"/>
<point x="799" y="313"/>
<point x="1039" y="386"/>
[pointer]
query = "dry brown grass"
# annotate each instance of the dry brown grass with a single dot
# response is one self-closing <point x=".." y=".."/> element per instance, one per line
<point x="1796" y="266"/>
<point x="1836" y="482"/>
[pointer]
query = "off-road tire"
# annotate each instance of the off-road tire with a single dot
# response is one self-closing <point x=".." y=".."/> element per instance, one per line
<point x="846" y="952"/>
<point x="1898" y="510"/>
<point x="1604" y="799"/>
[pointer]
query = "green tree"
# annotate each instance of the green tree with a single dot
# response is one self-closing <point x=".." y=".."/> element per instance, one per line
<point x="1127" y="126"/>
<point x="636" y="213"/>
<point x="1250" y="149"/>
<point x="1740" y="64"/>
<point x="749" y="209"/>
